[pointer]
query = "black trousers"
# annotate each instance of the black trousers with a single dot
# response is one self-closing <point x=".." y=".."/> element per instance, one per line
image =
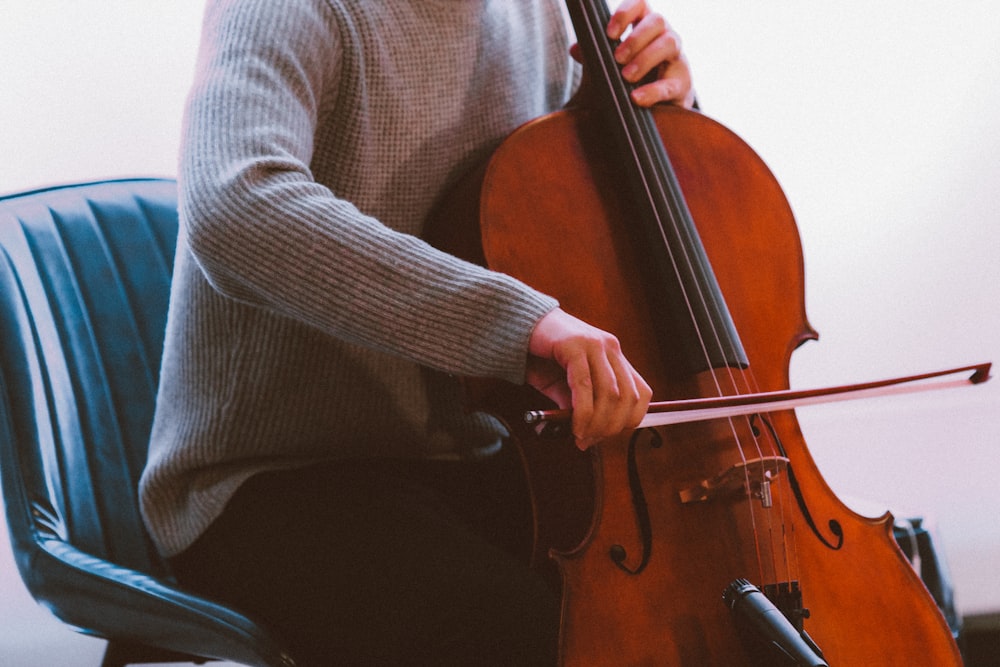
<point x="384" y="563"/>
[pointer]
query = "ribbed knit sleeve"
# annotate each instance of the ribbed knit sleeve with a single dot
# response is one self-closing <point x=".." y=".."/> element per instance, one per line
<point x="308" y="320"/>
<point x="266" y="233"/>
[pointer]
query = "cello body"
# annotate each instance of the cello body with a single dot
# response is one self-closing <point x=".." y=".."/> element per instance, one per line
<point x="864" y="603"/>
<point x="648" y="531"/>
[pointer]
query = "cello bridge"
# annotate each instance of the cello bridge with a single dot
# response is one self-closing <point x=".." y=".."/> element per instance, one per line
<point x="752" y="477"/>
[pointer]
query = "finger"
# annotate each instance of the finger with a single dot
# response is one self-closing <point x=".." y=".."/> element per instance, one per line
<point x="644" y="394"/>
<point x="618" y="410"/>
<point x="606" y="397"/>
<point x="623" y="398"/>
<point x="580" y="381"/>
<point x="549" y="379"/>
<point x="628" y="13"/>
<point x="650" y="43"/>
<point x="633" y="396"/>
<point x="647" y="47"/>
<point x="673" y="86"/>
<point x="663" y="90"/>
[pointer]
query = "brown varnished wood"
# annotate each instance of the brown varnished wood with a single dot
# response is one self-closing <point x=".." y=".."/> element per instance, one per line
<point x="551" y="214"/>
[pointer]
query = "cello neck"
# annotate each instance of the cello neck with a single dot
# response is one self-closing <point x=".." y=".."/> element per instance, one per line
<point x="690" y="310"/>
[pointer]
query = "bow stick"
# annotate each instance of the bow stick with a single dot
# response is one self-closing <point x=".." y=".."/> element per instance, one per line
<point x="701" y="409"/>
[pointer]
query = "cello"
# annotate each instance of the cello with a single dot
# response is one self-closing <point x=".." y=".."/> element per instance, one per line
<point x="706" y="542"/>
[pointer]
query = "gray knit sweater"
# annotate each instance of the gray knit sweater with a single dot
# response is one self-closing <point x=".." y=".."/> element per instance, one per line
<point x="308" y="321"/>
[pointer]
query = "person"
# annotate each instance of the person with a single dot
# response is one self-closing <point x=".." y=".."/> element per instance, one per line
<point x="310" y="460"/>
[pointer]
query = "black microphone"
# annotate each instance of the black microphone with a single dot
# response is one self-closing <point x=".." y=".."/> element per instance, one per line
<point x="751" y="606"/>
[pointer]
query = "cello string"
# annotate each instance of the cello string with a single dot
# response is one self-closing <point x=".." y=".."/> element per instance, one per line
<point x="676" y="217"/>
<point x="623" y="110"/>
<point x="740" y="381"/>
<point x="748" y="377"/>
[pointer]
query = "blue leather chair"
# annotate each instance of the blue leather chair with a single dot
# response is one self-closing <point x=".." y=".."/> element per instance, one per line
<point x="84" y="282"/>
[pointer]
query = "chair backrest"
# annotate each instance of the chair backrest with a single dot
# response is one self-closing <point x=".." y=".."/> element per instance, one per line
<point x="84" y="285"/>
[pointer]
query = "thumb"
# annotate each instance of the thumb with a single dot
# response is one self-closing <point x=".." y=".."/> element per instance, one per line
<point x="549" y="379"/>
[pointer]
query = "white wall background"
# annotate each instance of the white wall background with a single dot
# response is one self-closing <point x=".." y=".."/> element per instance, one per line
<point x="879" y="119"/>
